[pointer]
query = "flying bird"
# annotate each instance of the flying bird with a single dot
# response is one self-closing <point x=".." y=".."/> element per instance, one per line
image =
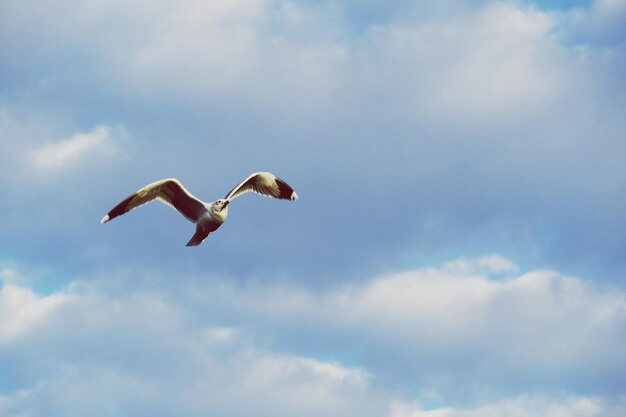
<point x="207" y="217"/>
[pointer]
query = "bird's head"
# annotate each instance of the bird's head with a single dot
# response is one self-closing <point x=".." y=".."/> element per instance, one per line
<point x="221" y="204"/>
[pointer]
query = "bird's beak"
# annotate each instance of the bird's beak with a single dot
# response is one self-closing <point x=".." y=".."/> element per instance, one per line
<point x="225" y="204"/>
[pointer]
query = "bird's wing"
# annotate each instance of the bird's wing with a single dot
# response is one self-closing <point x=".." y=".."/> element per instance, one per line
<point x="169" y="191"/>
<point x="264" y="183"/>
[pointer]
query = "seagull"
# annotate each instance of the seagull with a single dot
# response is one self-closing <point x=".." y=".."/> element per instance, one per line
<point x="208" y="217"/>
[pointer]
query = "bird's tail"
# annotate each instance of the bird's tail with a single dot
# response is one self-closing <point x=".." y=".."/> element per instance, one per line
<point x="198" y="237"/>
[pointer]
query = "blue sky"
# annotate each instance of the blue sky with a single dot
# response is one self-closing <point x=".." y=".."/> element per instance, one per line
<point x="457" y="248"/>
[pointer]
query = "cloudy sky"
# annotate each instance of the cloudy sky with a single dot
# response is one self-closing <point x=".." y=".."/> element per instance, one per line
<point x="458" y="248"/>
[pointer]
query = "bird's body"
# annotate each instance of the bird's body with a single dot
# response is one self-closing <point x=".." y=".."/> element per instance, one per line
<point x="208" y="217"/>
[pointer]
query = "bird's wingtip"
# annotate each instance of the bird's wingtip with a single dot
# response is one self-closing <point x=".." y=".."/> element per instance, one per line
<point x="105" y="219"/>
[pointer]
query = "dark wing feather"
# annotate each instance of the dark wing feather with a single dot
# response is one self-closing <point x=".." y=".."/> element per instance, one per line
<point x="170" y="192"/>
<point x="264" y="183"/>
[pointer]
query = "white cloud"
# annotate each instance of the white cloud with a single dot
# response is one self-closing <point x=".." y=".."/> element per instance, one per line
<point x="15" y="137"/>
<point x="490" y="95"/>
<point x="82" y="352"/>
<point x="293" y="56"/>
<point x="470" y="320"/>
<point x="602" y="23"/>
<point x="539" y="328"/>
<point x="526" y="406"/>
<point x="493" y="264"/>
<point x="252" y="383"/>
<point x="497" y="62"/>
<point x="542" y="325"/>
<point x="22" y="310"/>
<point x="9" y="275"/>
<point x="63" y="154"/>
